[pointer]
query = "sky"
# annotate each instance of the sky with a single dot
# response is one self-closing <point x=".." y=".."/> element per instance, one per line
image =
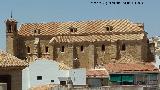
<point x="32" y="11"/>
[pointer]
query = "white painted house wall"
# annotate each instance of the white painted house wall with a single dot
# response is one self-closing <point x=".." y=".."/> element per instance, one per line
<point x="49" y="70"/>
<point x="157" y="60"/>
<point x="78" y="76"/>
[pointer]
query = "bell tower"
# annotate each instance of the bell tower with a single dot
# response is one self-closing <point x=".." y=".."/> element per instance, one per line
<point x="11" y="36"/>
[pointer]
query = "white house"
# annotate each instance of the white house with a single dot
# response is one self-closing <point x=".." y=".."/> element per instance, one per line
<point x="156" y="41"/>
<point x="43" y="72"/>
<point x="157" y="60"/>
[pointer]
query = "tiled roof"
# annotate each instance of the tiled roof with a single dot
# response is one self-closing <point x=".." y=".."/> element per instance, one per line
<point x="83" y="27"/>
<point x="63" y="66"/>
<point x="130" y="67"/>
<point x="43" y="87"/>
<point x="8" y="60"/>
<point x="97" y="73"/>
<point x="94" y="38"/>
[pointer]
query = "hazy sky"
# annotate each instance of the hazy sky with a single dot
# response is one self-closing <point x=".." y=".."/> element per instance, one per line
<point x="28" y="11"/>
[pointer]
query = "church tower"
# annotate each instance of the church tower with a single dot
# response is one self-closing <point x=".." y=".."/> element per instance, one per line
<point x="11" y="36"/>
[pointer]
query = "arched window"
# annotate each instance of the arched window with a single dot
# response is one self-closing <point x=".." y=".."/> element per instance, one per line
<point x="108" y="28"/>
<point x="46" y="49"/>
<point x="9" y="28"/>
<point x="123" y="47"/>
<point x="35" y="31"/>
<point x="81" y="48"/>
<point x="103" y="47"/>
<point x="72" y="29"/>
<point x="28" y="49"/>
<point x="62" y="49"/>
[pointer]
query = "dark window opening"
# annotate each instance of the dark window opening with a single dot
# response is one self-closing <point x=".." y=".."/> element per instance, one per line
<point x="71" y="30"/>
<point x="9" y="28"/>
<point x="75" y="29"/>
<point x="123" y="47"/>
<point x="62" y="82"/>
<point x="103" y="47"/>
<point x="52" y="80"/>
<point x="35" y="31"/>
<point x="39" y="77"/>
<point x="62" y="49"/>
<point x="28" y="49"/>
<point x="38" y="31"/>
<point x="159" y="57"/>
<point x="46" y="49"/>
<point x="107" y="28"/>
<point x="81" y="48"/>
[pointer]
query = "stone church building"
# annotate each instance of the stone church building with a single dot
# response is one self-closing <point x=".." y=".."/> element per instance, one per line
<point x="86" y="43"/>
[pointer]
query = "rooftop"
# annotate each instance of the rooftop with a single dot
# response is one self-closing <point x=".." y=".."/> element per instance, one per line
<point x="82" y="27"/>
<point x="130" y="67"/>
<point x="97" y="73"/>
<point x="8" y="60"/>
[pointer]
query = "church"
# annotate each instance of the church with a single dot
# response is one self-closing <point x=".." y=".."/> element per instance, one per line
<point x="86" y="44"/>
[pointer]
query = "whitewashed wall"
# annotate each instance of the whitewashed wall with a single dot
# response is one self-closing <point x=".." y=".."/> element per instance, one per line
<point x="49" y="70"/>
<point x="78" y="76"/>
<point x="157" y="60"/>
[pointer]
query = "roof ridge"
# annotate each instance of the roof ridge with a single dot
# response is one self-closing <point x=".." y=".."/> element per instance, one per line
<point x="78" y="21"/>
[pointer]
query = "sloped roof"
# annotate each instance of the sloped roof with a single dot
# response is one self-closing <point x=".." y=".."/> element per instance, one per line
<point x="83" y="27"/>
<point x="63" y="66"/>
<point x="43" y="87"/>
<point x="97" y="73"/>
<point x="8" y="60"/>
<point x="130" y="67"/>
<point x="94" y="38"/>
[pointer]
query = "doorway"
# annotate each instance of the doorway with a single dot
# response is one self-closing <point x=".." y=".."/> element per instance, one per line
<point x="6" y="79"/>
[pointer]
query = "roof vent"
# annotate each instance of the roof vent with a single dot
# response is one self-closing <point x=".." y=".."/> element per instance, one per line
<point x="36" y="32"/>
<point x="108" y="28"/>
<point x="72" y="29"/>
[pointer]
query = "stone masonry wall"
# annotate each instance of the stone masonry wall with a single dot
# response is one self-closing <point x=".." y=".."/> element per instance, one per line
<point x="105" y="56"/>
<point x="66" y="56"/>
<point x="92" y="53"/>
<point x="16" y="78"/>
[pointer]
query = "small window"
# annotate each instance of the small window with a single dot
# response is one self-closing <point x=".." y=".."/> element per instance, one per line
<point x="35" y="31"/>
<point x="107" y="28"/>
<point x="9" y="28"/>
<point x="103" y="48"/>
<point x="81" y="48"/>
<point x="52" y="80"/>
<point x="123" y="47"/>
<point x="28" y="49"/>
<point x="72" y="29"/>
<point x="39" y="77"/>
<point x="46" y="49"/>
<point x="62" y="49"/>
<point x="159" y="57"/>
<point x="62" y="82"/>
<point x="38" y="31"/>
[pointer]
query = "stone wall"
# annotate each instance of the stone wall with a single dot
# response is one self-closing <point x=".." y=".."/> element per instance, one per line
<point x="92" y="53"/>
<point x="16" y="78"/>
<point x="108" y="54"/>
<point x="66" y="56"/>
